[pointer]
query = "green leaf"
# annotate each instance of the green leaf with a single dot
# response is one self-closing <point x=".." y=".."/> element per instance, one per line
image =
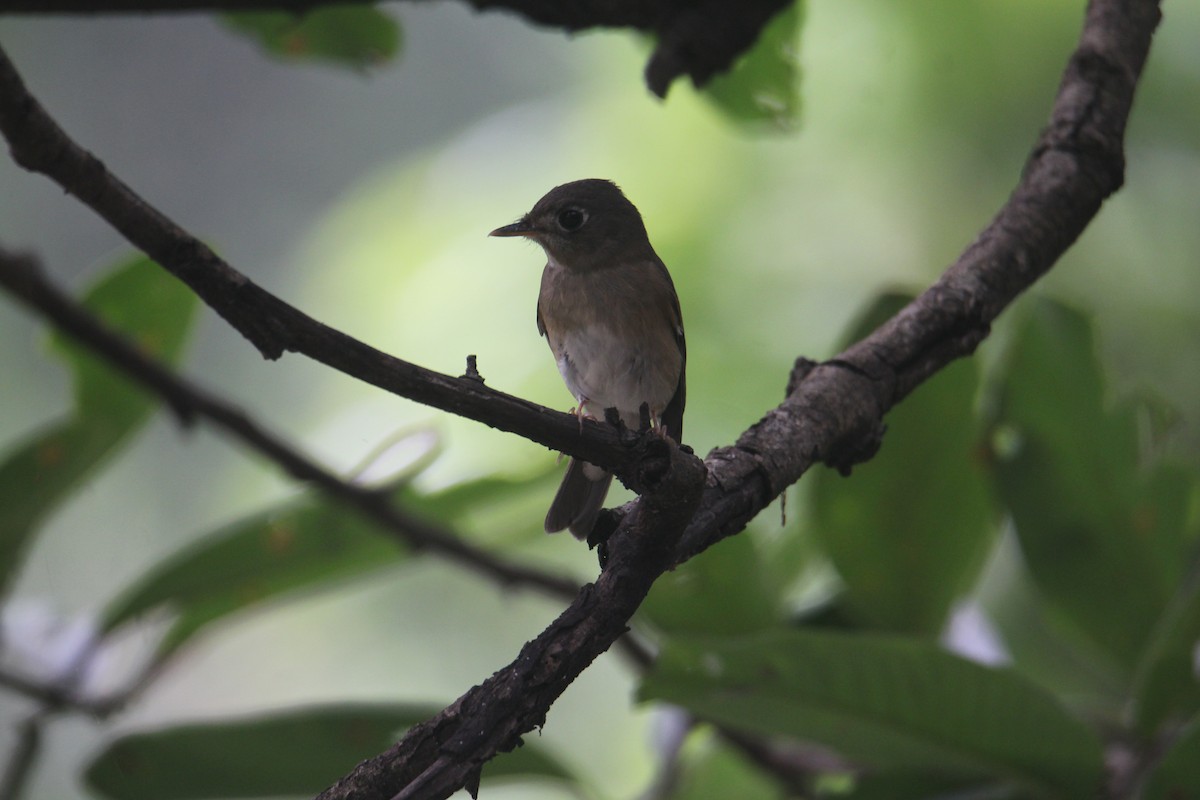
<point x="357" y="36"/>
<point x="1167" y="689"/>
<point x="1177" y="776"/>
<point x="715" y="592"/>
<point x="297" y="752"/>
<point x="1068" y="666"/>
<point x="888" y="702"/>
<point x="1103" y="536"/>
<point x="909" y="531"/>
<point x="141" y="301"/>
<point x="905" y="785"/>
<point x="307" y="544"/>
<point x="710" y="770"/>
<point x="304" y="545"/>
<point x="762" y="87"/>
<point x="494" y="510"/>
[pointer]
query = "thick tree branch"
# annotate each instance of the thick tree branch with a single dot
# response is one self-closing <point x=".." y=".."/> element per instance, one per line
<point x="696" y="38"/>
<point x="833" y="412"/>
<point x="448" y="752"/>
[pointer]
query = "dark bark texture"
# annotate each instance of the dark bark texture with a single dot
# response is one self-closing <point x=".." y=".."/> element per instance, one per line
<point x="696" y="38"/>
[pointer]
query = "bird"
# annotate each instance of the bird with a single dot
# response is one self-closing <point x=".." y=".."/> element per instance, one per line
<point x="609" y="311"/>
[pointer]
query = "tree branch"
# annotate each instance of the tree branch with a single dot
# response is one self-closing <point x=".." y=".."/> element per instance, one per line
<point x="38" y="144"/>
<point x="23" y="278"/>
<point x="696" y="38"/>
<point x="833" y="411"/>
<point x="447" y="752"/>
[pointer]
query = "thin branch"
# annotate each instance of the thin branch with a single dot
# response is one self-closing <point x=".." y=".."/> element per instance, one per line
<point x="696" y="39"/>
<point x="38" y="144"/>
<point x="24" y="279"/>
<point x="795" y="766"/>
<point x="55" y="696"/>
<point x="673" y="729"/>
<point x="24" y="756"/>
<point x="47" y="695"/>
<point x="65" y="695"/>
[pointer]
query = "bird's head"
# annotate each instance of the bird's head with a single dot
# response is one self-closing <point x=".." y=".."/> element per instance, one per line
<point x="583" y="225"/>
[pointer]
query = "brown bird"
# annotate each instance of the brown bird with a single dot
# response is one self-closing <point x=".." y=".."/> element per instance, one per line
<point x="610" y="314"/>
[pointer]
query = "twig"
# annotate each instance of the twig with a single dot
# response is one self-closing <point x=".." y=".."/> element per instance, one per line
<point x="46" y="694"/>
<point x="24" y="755"/>
<point x="674" y="725"/>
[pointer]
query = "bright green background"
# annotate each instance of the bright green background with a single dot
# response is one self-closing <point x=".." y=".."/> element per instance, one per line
<point x="364" y="195"/>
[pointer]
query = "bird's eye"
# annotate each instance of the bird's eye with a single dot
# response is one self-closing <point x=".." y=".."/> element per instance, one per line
<point x="571" y="219"/>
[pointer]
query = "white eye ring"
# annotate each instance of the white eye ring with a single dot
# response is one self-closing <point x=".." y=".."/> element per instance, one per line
<point x="571" y="218"/>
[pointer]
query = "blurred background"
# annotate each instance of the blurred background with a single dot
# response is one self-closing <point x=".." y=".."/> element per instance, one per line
<point x="364" y="198"/>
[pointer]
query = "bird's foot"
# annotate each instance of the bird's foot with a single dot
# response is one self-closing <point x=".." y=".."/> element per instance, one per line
<point x="581" y="413"/>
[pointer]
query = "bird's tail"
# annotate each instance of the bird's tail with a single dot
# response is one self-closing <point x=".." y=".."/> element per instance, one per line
<point x="579" y="499"/>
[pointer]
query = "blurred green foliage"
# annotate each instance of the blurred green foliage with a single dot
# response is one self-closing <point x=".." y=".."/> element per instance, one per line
<point x="764" y="85"/>
<point x="141" y="301"/>
<point x="1105" y="532"/>
<point x="920" y="508"/>
<point x="353" y="36"/>
<point x="887" y="703"/>
<point x="1050" y="485"/>
<point x="298" y="752"/>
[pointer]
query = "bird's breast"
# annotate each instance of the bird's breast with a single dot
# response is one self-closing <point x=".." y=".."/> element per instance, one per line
<point x="614" y="349"/>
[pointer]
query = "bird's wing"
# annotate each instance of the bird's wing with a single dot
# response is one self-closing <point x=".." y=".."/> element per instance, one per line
<point x="672" y="415"/>
<point x="541" y="323"/>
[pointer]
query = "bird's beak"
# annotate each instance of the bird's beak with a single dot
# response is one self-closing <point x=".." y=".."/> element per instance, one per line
<point x="519" y="228"/>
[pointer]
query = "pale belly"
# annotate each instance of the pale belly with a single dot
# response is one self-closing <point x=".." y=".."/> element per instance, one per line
<point x="602" y="371"/>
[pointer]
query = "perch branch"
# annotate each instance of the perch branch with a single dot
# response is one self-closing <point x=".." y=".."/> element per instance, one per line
<point x="38" y="144"/>
<point x="24" y="279"/>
